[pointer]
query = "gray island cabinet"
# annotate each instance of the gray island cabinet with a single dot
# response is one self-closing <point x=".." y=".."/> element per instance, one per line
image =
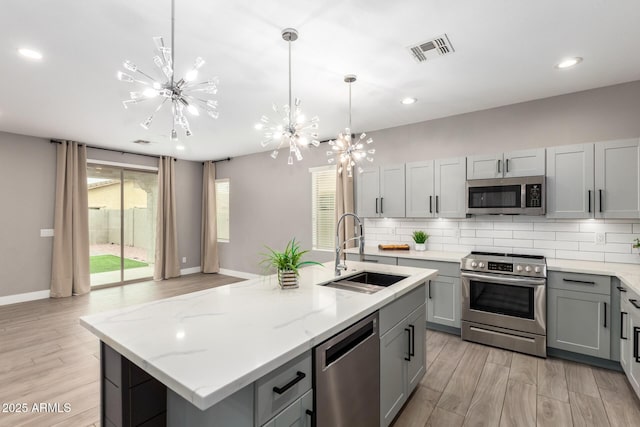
<point x="241" y="354"/>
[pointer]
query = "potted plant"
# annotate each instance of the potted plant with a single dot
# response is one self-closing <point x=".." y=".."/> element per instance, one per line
<point x="287" y="263"/>
<point x="420" y="237"/>
<point x="636" y="244"/>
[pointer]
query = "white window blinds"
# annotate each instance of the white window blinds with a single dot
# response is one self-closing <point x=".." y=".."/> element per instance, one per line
<point x="323" y="189"/>
<point x="222" y="209"/>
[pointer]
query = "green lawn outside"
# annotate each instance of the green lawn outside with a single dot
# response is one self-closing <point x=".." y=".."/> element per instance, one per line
<point x="102" y="263"/>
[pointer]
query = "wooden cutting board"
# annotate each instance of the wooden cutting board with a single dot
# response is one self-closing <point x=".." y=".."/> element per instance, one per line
<point x="394" y="247"/>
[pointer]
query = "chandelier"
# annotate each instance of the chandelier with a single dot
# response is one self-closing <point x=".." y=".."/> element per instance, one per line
<point x="345" y="148"/>
<point x="292" y="128"/>
<point x="183" y="94"/>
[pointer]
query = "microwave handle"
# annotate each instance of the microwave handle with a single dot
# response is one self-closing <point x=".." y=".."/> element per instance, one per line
<point x="499" y="165"/>
<point x="589" y="201"/>
<point x="506" y="166"/>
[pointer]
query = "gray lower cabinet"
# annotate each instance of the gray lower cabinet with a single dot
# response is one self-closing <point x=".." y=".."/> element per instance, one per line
<point x="402" y="363"/>
<point x="579" y="322"/>
<point x="443" y="301"/>
<point x="298" y="414"/>
<point x="630" y="336"/>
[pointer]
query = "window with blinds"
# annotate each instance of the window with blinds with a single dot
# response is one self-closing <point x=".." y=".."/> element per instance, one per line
<point x="323" y="189"/>
<point x="222" y="209"/>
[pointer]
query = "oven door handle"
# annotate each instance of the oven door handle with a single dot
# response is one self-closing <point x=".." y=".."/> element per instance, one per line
<point x="526" y="282"/>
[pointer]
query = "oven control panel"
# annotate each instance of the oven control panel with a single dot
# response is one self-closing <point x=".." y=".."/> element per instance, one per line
<point x="500" y="266"/>
<point x="505" y="265"/>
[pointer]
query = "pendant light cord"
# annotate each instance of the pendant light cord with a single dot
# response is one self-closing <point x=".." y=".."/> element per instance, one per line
<point x="290" y="104"/>
<point x="173" y="23"/>
<point x="349" y="106"/>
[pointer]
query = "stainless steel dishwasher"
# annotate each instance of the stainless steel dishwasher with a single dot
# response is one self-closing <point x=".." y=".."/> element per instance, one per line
<point x="347" y="377"/>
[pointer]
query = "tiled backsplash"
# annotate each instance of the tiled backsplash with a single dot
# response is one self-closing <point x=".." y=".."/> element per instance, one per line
<point x="566" y="239"/>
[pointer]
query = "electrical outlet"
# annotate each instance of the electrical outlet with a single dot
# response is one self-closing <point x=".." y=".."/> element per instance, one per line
<point x="600" y="238"/>
<point x="184" y="259"/>
<point x="46" y="232"/>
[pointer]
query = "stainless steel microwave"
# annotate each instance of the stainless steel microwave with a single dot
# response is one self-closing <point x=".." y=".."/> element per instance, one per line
<point x="506" y="196"/>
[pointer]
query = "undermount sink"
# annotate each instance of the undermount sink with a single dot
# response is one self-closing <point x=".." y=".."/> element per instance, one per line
<point x="367" y="282"/>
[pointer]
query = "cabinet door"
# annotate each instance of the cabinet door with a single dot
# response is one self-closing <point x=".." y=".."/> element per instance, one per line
<point x="570" y="178"/>
<point x="450" y="188"/>
<point x="416" y="366"/>
<point x="420" y="190"/>
<point x="394" y="348"/>
<point x="443" y="301"/>
<point x="485" y="166"/>
<point x="625" y="334"/>
<point x="392" y="191"/>
<point x="579" y="322"/>
<point x="634" y="336"/>
<point x="524" y="163"/>
<point x="368" y="189"/>
<point x="617" y="179"/>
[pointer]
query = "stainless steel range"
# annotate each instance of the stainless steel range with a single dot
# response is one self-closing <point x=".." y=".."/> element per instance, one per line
<point x="504" y="302"/>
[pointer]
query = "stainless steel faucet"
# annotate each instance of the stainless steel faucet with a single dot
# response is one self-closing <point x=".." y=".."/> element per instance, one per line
<point x="340" y="246"/>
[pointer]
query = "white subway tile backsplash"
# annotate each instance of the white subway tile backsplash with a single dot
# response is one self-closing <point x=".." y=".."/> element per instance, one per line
<point x="476" y="225"/>
<point x="501" y="234"/>
<point x="556" y="244"/>
<point x="620" y="248"/>
<point x="636" y="228"/>
<point x="556" y="226"/>
<point x="600" y="227"/>
<point x="523" y="226"/>
<point x="467" y="233"/>
<point x="520" y="243"/>
<point x="576" y="237"/>
<point x="475" y="241"/>
<point x="579" y="255"/>
<point x="625" y="258"/>
<point x="457" y="248"/>
<point x="621" y="238"/>
<point x="534" y="235"/>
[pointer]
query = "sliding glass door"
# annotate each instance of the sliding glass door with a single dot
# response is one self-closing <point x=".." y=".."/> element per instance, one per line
<point x="122" y="218"/>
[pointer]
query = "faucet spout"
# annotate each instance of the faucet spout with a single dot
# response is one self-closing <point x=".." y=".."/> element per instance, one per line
<point x="340" y="246"/>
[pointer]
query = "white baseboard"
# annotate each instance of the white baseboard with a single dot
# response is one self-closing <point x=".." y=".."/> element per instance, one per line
<point x="191" y="270"/>
<point x="29" y="296"/>
<point x="240" y="274"/>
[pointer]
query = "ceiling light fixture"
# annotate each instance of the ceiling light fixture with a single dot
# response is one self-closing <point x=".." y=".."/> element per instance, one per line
<point x="569" y="62"/>
<point x="345" y="148"/>
<point x="293" y="128"/>
<point x="30" y="53"/>
<point x="408" y="101"/>
<point x="183" y="94"/>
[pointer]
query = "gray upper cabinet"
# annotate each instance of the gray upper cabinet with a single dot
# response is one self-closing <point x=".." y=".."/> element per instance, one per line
<point x="617" y="181"/>
<point x="381" y="192"/>
<point x="507" y="165"/>
<point x="436" y="188"/>
<point x="570" y="178"/>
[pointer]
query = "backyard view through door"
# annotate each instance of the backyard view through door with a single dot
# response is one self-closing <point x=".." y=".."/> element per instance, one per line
<point x="122" y="221"/>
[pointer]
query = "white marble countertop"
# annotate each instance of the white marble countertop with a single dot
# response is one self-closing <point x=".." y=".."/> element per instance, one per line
<point x="629" y="274"/>
<point x="209" y="344"/>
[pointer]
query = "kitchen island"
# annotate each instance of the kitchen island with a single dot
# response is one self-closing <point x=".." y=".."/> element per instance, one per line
<point x="209" y="346"/>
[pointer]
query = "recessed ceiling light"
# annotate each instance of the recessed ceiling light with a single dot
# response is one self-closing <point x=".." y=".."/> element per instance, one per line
<point x="179" y="147"/>
<point x="30" y="53"/>
<point x="408" y="101"/>
<point x="569" y="62"/>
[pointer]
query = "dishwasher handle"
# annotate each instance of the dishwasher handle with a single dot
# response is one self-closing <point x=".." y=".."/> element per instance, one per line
<point x="345" y="342"/>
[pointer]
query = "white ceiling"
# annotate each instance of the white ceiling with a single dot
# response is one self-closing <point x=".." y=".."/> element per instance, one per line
<point x="505" y="53"/>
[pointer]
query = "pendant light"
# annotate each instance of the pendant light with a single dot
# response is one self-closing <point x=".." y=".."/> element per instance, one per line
<point x="292" y="128"/>
<point x="345" y="149"/>
<point x="183" y="94"/>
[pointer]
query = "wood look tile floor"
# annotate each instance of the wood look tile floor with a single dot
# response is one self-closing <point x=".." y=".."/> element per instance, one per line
<point x="47" y="357"/>
<point x="468" y="384"/>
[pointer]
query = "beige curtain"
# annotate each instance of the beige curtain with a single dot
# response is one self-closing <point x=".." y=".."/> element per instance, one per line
<point x="70" y="262"/>
<point x="167" y="264"/>
<point x="344" y="204"/>
<point x="209" y="251"/>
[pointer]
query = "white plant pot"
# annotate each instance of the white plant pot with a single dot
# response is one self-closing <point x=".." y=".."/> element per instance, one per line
<point x="421" y="246"/>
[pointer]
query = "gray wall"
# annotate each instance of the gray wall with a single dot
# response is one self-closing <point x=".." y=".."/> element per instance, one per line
<point x="27" y="196"/>
<point x="270" y="202"/>
<point x="27" y="188"/>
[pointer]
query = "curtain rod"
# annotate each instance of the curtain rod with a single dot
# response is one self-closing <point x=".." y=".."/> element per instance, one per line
<point x="227" y="159"/>
<point x="55" y="141"/>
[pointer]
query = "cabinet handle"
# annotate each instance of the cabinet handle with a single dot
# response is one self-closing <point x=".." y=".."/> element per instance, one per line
<point x="584" y="282"/>
<point x="437" y="205"/>
<point x="622" y="313"/>
<point x="429" y="289"/>
<point x="430" y="204"/>
<point x="309" y="412"/>
<point x="408" y="331"/>
<point x="605" y="314"/>
<point x="381" y="209"/>
<point x="635" y="344"/>
<point x="413" y="340"/>
<point x="507" y="166"/>
<point x="299" y="377"/>
<point x="621" y="289"/>
<point x="589" y="202"/>
<point x="600" y="194"/>
<point x="376" y="205"/>
<point x="634" y="302"/>
<point x="369" y="260"/>
<point x="498" y="166"/>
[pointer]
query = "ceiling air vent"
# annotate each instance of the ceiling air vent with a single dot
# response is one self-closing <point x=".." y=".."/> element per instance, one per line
<point x="431" y="49"/>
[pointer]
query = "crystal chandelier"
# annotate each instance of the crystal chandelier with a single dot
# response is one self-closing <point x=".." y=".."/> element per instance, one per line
<point x="345" y="148"/>
<point x="292" y="127"/>
<point x="183" y="94"/>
